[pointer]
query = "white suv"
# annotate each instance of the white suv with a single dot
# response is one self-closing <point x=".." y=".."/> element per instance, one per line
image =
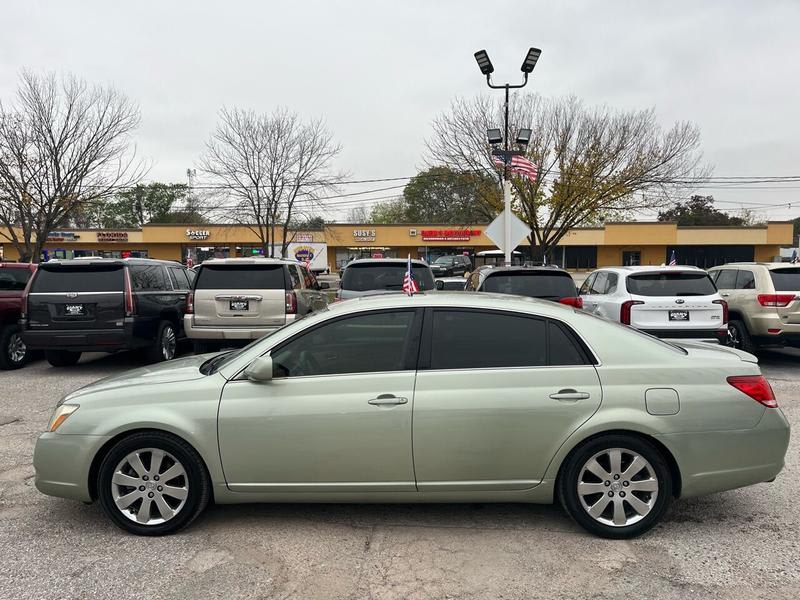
<point x="668" y="302"/>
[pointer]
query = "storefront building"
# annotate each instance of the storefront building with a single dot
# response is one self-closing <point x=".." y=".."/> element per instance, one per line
<point x="335" y="245"/>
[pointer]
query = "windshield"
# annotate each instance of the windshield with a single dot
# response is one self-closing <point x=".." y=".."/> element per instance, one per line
<point x="551" y="285"/>
<point x="786" y="280"/>
<point x="671" y="284"/>
<point x="384" y="276"/>
<point x="444" y="260"/>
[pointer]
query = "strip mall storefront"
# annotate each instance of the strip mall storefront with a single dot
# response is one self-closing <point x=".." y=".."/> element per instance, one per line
<point x="333" y="247"/>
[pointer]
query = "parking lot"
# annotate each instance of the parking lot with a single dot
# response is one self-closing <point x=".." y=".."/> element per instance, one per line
<point x="740" y="544"/>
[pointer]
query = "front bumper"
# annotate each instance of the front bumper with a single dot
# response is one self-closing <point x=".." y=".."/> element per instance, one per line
<point x="194" y="332"/>
<point x="62" y="463"/>
<point x="715" y="336"/>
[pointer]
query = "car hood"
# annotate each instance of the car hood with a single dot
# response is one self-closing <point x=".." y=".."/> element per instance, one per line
<point x="701" y="350"/>
<point x="182" y="369"/>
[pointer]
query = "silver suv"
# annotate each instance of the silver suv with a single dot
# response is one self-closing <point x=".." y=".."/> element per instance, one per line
<point x="763" y="303"/>
<point x="246" y="298"/>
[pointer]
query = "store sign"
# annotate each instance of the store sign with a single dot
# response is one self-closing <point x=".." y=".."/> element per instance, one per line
<point x="304" y="254"/>
<point x="364" y="235"/>
<point x="198" y="234"/>
<point x="112" y="236"/>
<point x="449" y="235"/>
<point x="62" y="236"/>
<point x="304" y="238"/>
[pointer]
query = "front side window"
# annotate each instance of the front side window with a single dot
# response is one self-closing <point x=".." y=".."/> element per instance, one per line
<point x="586" y="288"/>
<point x="688" y="283"/>
<point x="148" y="278"/>
<point x="368" y="343"/>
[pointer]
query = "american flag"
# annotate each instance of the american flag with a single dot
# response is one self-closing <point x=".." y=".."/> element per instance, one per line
<point x="189" y="261"/>
<point x="410" y="286"/>
<point x="520" y="165"/>
<point x="673" y="261"/>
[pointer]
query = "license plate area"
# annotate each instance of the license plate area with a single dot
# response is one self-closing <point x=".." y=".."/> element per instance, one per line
<point x="239" y="305"/>
<point x="679" y="315"/>
<point x="74" y="310"/>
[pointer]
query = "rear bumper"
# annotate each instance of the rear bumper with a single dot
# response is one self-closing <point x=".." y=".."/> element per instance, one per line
<point x="715" y="336"/>
<point x="99" y="340"/>
<point x="194" y="332"/>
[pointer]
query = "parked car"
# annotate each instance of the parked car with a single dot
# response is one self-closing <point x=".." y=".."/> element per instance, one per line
<point x="13" y="279"/>
<point x="450" y="284"/>
<point x="496" y="258"/>
<point x="667" y="302"/>
<point x="763" y="303"/>
<point x="370" y="276"/>
<point x="546" y="283"/>
<point x="450" y="266"/>
<point x="105" y="305"/>
<point x="246" y="298"/>
<point x="387" y="399"/>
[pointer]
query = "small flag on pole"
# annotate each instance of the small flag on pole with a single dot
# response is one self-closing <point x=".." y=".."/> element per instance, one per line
<point x="410" y="286"/>
<point x="794" y="256"/>
<point x="673" y="261"/>
<point x="519" y="165"/>
<point x="189" y="261"/>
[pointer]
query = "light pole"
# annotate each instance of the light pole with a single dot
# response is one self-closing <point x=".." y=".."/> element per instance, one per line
<point x="523" y="137"/>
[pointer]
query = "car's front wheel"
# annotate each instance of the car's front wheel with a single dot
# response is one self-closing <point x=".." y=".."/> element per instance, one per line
<point x="13" y="352"/>
<point x="152" y="483"/>
<point x="616" y="486"/>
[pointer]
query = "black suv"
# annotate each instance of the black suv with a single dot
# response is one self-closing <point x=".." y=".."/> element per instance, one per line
<point x="547" y="283"/>
<point x="104" y="305"/>
<point x="450" y="266"/>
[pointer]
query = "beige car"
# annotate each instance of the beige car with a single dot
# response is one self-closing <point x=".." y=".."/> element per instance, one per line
<point x="246" y="298"/>
<point x="763" y="303"/>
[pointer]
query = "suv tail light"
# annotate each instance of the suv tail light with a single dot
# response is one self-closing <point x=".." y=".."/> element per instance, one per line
<point x="625" y="311"/>
<point x="777" y="300"/>
<point x="291" y="303"/>
<point x="756" y="387"/>
<point x="190" y="303"/>
<point x="724" y="310"/>
<point x="576" y="301"/>
<point x="130" y="306"/>
<point x="24" y="305"/>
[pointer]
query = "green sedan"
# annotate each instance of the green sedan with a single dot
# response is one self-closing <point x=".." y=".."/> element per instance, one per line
<point x="430" y="398"/>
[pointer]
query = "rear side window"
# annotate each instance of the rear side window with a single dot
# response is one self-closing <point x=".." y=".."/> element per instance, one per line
<point x="786" y="280"/>
<point x="671" y="284"/>
<point x="745" y="280"/>
<point x="240" y="277"/>
<point x="726" y="279"/>
<point x="148" y="278"/>
<point x="535" y="284"/>
<point x="14" y="279"/>
<point x="78" y="279"/>
<point x="564" y="349"/>
<point x="384" y="276"/>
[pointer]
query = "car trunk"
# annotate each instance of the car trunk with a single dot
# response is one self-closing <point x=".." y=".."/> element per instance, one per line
<point x="786" y="281"/>
<point x="77" y="297"/>
<point x="674" y="300"/>
<point x="240" y="296"/>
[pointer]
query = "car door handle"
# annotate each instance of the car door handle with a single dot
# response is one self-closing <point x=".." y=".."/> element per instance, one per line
<point x="388" y="400"/>
<point x="569" y="394"/>
<point x="724" y="294"/>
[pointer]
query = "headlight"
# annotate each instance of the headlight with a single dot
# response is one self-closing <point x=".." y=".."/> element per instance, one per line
<point x="60" y="415"/>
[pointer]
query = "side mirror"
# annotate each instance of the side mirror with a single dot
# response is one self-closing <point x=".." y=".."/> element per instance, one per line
<point x="260" y="369"/>
<point x="439" y="284"/>
<point x="324" y="285"/>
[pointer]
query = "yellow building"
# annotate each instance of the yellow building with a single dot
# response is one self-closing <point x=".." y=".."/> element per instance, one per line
<point x="581" y="249"/>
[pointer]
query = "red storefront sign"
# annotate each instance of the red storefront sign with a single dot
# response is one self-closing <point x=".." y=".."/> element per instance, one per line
<point x="449" y="235"/>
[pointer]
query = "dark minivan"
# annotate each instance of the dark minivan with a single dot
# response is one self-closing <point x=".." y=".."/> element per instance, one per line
<point x="105" y="305"/>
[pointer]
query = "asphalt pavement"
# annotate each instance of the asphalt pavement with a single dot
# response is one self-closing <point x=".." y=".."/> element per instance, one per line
<point x="739" y="544"/>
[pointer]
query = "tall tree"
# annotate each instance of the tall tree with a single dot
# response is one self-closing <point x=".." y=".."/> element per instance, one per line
<point x="591" y="161"/>
<point x="64" y="145"/>
<point x="442" y="195"/>
<point x="698" y="210"/>
<point x="272" y="169"/>
<point x="142" y="204"/>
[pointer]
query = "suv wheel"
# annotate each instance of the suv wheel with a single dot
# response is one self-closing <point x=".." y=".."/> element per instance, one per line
<point x="165" y="345"/>
<point x="739" y="338"/>
<point x="13" y="352"/>
<point x="62" y="358"/>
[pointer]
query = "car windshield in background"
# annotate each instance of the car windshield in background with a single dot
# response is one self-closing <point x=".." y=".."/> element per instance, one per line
<point x="671" y="284"/>
<point x="451" y="286"/>
<point x="14" y="279"/>
<point x="535" y="284"/>
<point x="105" y="278"/>
<point x="240" y="277"/>
<point x="445" y="260"/>
<point x="786" y="280"/>
<point x="374" y="276"/>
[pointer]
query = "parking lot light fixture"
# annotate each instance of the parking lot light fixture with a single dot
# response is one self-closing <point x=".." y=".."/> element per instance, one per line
<point x="495" y="136"/>
<point x="484" y="63"/>
<point x="524" y="136"/>
<point x="530" y="60"/>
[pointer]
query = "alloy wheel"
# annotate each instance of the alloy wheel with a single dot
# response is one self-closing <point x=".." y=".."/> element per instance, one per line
<point x="617" y="487"/>
<point x="16" y="348"/>
<point x="169" y="343"/>
<point x="734" y="340"/>
<point x="149" y="486"/>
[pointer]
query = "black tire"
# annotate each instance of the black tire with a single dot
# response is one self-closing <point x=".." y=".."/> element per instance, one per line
<point x="572" y="474"/>
<point x="739" y="337"/>
<point x="13" y="353"/>
<point x="165" y="346"/>
<point x="196" y="481"/>
<point x="62" y="358"/>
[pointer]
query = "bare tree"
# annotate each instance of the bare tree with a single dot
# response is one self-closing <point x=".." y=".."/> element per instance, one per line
<point x="272" y="170"/>
<point x="64" y="145"/>
<point x="592" y="162"/>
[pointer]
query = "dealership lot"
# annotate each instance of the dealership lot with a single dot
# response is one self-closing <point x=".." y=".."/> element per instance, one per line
<point x="740" y="544"/>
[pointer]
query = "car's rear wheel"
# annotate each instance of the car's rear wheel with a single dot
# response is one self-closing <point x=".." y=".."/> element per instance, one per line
<point x="62" y="358"/>
<point x="13" y="352"/>
<point x="165" y="345"/>
<point x="152" y="483"/>
<point x="616" y="486"/>
<point x="739" y="337"/>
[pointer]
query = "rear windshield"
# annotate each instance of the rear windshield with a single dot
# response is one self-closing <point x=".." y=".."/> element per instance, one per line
<point x="240" y="277"/>
<point x="14" y="278"/>
<point x="78" y="279"/>
<point x="786" y="280"/>
<point x="671" y="284"/>
<point x="535" y="284"/>
<point x="365" y="277"/>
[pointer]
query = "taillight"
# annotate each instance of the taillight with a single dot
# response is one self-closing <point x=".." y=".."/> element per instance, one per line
<point x="576" y="301"/>
<point x="755" y="386"/>
<point x="130" y="307"/>
<point x="777" y="300"/>
<point x="625" y="311"/>
<point x="24" y="305"/>
<point x="724" y="310"/>
<point x="291" y="303"/>
<point x="190" y="303"/>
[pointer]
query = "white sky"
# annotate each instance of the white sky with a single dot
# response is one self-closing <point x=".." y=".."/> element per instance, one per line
<point x="379" y="71"/>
